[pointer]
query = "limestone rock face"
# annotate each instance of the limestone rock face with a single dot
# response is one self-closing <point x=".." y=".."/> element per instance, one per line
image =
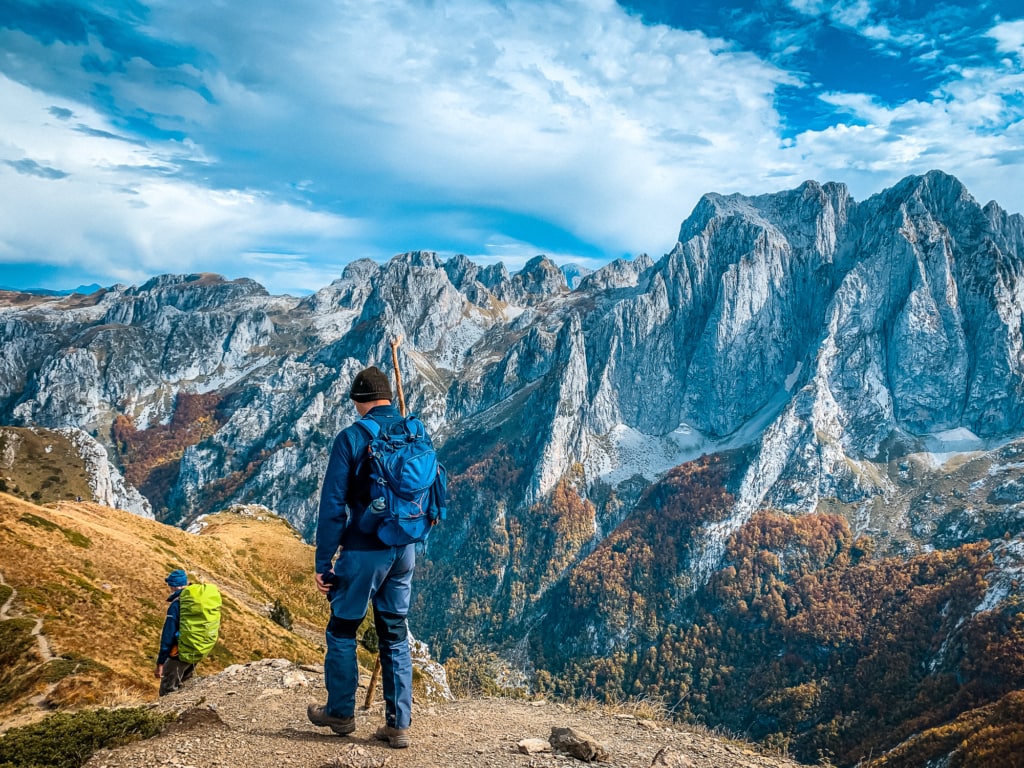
<point x="107" y="483"/>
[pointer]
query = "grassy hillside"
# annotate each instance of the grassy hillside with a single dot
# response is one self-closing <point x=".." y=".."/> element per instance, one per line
<point x="41" y="466"/>
<point x="94" y="577"/>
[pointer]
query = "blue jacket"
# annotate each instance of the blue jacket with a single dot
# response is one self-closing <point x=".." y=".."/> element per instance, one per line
<point x="169" y="637"/>
<point x="346" y="491"/>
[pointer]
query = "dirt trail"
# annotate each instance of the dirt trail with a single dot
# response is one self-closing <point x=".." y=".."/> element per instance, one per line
<point x="42" y="646"/>
<point x="255" y="715"/>
<point x="45" y="654"/>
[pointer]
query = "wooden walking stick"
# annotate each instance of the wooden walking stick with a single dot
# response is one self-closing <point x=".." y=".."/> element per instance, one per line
<point x="398" y="374"/>
<point x="373" y="682"/>
<point x="401" y="409"/>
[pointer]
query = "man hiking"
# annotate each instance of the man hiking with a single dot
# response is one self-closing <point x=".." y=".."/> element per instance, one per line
<point x="171" y="670"/>
<point x="365" y="570"/>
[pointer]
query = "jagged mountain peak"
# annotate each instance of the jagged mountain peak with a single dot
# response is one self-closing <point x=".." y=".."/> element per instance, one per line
<point x="461" y="270"/>
<point x="819" y="206"/>
<point x="360" y="269"/>
<point x="539" y="279"/>
<point x="426" y="259"/>
<point x="935" y="185"/>
<point x="621" y="273"/>
<point x="198" y="281"/>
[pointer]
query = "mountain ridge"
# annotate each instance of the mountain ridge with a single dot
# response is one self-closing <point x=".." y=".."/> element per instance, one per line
<point x="845" y="351"/>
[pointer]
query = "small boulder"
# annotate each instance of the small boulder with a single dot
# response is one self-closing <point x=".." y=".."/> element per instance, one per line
<point x="533" y="746"/>
<point x="294" y="679"/>
<point x="671" y="758"/>
<point x="355" y="756"/>
<point x="578" y="744"/>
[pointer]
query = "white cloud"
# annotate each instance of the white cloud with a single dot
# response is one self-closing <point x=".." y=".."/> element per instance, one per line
<point x="865" y="19"/>
<point x="851" y="14"/>
<point x="973" y="127"/>
<point x="1009" y="37"/>
<point x="119" y="209"/>
<point x="567" y="112"/>
<point x="556" y="110"/>
<point x="315" y="132"/>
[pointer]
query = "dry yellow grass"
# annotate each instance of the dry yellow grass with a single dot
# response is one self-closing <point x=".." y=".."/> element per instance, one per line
<point x="41" y="465"/>
<point x="95" y="576"/>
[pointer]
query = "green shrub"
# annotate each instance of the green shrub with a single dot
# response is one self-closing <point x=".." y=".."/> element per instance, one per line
<point x="76" y="538"/>
<point x="17" y="658"/>
<point x="57" y="669"/>
<point x="370" y="640"/>
<point x="68" y="740"/>
<point x="38" y="522"/>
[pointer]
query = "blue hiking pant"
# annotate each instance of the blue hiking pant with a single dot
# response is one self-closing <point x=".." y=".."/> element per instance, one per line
<point x="383" y="576"/>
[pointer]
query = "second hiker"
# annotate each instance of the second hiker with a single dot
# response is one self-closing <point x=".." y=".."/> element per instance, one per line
<point x="171" y="670"/>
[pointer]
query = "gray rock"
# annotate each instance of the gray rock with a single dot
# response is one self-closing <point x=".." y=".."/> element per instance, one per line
<point x="533" y="746"/>
<point x="355" y="756"/>
<point x="667" y="757"/>
<point x="294" y="679"/>
<point x="578" y="744"/>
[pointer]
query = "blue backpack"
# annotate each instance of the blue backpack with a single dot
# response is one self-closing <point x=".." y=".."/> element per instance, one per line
<point x="408" y="485"/>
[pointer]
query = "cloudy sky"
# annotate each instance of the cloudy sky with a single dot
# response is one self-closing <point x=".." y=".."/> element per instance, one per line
<point x="280" y="141"/>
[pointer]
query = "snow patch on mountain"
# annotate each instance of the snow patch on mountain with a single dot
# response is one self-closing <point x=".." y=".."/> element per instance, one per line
<point x="629" y="452"/>
<point x="951" y="444"/>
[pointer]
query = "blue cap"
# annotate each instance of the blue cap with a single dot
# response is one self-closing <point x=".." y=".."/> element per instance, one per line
<point x="177" y="578"/>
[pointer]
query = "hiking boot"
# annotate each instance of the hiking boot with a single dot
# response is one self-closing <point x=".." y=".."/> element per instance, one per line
<point x="340" y="725"/>
<point x="398" y="738"/>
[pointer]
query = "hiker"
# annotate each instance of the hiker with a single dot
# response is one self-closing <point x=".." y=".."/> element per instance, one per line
<point x="171" y="670"/>
<point x="365" y="570"/>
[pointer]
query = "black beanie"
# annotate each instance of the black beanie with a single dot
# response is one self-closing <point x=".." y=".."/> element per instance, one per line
<point x="370" y="384"/>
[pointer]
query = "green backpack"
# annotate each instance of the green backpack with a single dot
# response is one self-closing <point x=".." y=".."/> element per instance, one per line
<point x="200" y="622"/>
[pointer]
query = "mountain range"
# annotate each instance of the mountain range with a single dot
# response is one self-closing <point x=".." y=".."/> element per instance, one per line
<point x="772" y="478"/>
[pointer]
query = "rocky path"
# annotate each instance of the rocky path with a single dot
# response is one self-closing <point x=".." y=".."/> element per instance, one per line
<point x="42" y="645"/>
<point x="255" y="715"/>
<point x="45" y="654"/>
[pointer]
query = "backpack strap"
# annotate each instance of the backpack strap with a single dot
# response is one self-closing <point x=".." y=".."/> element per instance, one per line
<point x="373" y="429"/>
<point x="371" y="426"/>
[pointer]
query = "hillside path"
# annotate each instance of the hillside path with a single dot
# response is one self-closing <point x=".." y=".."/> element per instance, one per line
<point x="45" y="653"/>
<point x="42" y="647"/>
<point x="255" y="715"/>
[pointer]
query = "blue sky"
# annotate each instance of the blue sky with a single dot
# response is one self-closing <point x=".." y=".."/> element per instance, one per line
<point x="280" y="141"/>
